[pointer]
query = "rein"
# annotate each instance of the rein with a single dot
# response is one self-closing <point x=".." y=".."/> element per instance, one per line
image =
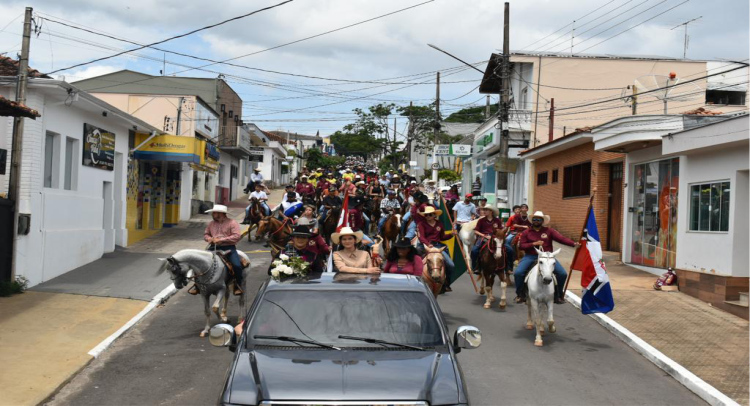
<point x="281" y="227"/>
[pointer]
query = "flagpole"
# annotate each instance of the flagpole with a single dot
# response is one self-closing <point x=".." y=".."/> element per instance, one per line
<point x="460" y="245"/>
<point x="578" y="248"/>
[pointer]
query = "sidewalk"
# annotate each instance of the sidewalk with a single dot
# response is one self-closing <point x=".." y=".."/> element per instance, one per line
<point x="47" y="332"/>
<point x="709" y="342"/>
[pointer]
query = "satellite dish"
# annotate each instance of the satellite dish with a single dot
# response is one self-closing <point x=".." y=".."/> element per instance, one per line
<point x="666" y="88"/>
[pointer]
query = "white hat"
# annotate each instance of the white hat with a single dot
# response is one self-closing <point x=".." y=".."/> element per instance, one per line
<point x="218" y="208"/>
<point x="257" y="169"/>
<point x="360" y="183"/>
<point x="545" y="218"/>
<point x="494" y="210"/>
<point x="346" y="231"/>
<point x="413" y="182"/>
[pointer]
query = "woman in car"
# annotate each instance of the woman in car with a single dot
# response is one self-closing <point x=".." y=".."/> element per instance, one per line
<point x="403" y="259"/>
<point x="349" y="258"/>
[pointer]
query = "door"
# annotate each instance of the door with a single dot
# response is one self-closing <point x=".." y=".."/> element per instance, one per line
<point x="614" y="216"/>
<point x="108" y="217"/>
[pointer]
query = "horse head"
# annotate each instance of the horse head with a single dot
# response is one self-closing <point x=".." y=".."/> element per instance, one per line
<point x="262" y="227"/>
<point x="546" y="264"/>
<point x="177" y="273"/>
<point x="435" y="263"/>
<point x="398" y="220"/>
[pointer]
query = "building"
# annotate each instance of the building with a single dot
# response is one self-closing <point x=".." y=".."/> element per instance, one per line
<point x="274" y="165"/>
<point x="424" y="159"/>
<point x="72" y="200"/>
<point x="299" y="143"/>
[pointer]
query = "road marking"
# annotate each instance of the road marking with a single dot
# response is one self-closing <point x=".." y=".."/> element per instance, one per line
<point x="697" y="385"/>
<point x="256" y="251"/>
<point x="165" y="293"/>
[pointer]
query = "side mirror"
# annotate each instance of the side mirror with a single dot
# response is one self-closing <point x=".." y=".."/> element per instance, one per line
<point x="467" y="337"/>
<point x="222" y="335"/>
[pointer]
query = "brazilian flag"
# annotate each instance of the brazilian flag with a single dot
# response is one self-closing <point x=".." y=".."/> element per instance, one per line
<point x="453" y="244"/>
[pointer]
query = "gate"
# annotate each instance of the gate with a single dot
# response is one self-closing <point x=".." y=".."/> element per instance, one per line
<point x="6" y="239"/>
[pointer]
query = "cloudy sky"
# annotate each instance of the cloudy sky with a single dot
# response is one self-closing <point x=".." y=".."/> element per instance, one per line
<point x="391" y="49"/>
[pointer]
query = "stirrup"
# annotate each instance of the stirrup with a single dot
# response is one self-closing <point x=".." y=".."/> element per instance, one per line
<point x="520" y="299"/>
<point x="194" y="290"/>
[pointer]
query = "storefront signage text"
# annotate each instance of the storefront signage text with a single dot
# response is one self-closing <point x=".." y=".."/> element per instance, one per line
<point x="98" y="147"/>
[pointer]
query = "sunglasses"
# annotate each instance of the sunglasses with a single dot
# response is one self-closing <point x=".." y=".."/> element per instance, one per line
<point x="429" y="215"/>
<point x="537" y="219"/>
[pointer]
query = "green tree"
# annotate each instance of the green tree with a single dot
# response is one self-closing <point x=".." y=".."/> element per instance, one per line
<point x="471" y="115"/>
<point x="449" y="175"/>
<point x="315" y="158"/>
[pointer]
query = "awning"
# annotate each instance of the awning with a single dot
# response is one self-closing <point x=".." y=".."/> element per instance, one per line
<point x="171" y="148"/>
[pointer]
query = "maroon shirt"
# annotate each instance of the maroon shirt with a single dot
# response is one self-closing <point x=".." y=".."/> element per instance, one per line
<point x="323" y="184"/>
<point x="415" y="267"/>
<point x="488" y="227"/>
<point x="545" y="234"/>
<point x="318" y="245"/>
<point x="517" y="220"/>
<point x="356" y="221"/>
<point x="415" y="209"/>
<point x="429" y="235"/>
<point x="305" y="189"/>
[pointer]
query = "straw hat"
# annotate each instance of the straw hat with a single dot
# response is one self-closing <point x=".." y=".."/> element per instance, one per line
<point x="494" y="210"/>
<point x="218" y="208"/>
<point x="545" y="218"/>
<point x="335" y="237"/>
<point x="360" y="183"/>
<point x="431" y="210"/>
<point x="257" y="169"/>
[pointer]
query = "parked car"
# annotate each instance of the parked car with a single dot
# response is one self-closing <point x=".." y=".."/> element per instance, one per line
<point x="334" y="337"/>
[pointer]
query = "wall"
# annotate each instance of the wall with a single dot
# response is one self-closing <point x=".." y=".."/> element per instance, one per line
<point x="567" y="214"/>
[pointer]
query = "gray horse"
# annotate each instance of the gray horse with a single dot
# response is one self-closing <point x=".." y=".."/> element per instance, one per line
<point x="207" y="270"/>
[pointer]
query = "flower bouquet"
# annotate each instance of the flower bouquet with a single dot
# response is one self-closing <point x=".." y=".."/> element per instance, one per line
<point x="285" y="267"/>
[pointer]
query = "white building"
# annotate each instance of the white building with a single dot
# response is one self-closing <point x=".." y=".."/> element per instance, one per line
<point x="274" y="165"/>
<point x="73" y="178"/>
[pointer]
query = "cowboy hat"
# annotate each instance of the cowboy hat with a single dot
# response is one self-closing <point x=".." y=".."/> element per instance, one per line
<point x="545" y="218"/>
<point x="403" y="243"/>
<point x="301" y="231"/>
<point x="218" y="208"/>
<point x="431" y="210"/>
<point x="302" y="177"/>
<point x="495" y="210"/>
<point x="391" y="192"/>
<point x="413" y="182"/>
<point x="335" y="237"/>
<point x="360" y="183"/>
<point x="257" y="169"/>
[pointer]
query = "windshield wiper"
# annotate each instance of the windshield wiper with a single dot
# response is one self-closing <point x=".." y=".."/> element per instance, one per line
<point x="296" y="340"/>
<point x="376" y="341"/>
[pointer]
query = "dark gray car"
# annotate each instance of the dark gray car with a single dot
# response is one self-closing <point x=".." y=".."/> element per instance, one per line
<point x="345" y="339"/>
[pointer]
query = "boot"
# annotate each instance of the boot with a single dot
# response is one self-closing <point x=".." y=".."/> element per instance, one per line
<point x="194" y="290"/>
<point x="237" y="289"/>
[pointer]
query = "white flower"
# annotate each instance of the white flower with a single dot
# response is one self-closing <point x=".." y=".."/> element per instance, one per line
<point x="284" y="257"/>
<point x="277" y="263"/>
<point x="275" y="273"/>
<point x="288" y="270"/>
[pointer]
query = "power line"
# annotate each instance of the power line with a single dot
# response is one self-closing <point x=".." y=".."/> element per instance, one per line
<point x="559" y="29"/>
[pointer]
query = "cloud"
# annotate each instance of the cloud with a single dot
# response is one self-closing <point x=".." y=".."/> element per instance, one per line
<point x="89" y="72"/>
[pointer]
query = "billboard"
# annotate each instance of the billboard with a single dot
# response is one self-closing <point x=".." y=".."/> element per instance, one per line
<point x="98" y="147"/>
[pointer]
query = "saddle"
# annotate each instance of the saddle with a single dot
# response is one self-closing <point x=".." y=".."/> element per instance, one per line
<point x="224" y="256"/>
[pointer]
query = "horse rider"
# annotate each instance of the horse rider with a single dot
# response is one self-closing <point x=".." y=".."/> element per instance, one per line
<point x="222" y="234"/>
<point x="256" y="177"/>
<point x="348" y="175"/>
<point x="484" y="230"/>
<point x="387" y="207"/>
<point x="299" y="247"/>
<point x="518" y="223"/>
<point x="540" y="236"/>
<point x="348" y="189"/>
<point x="329" y="202"/>
<point x="357" y="218"/>
<point x="291" y="207"/>
<point x="262" y="197"/>
<point x="289" y="189"/>
<point x="305" y="189"/>
<point x="322" y="186"/>
<point x="431" y="233"/>
<point x="464" y="211"/>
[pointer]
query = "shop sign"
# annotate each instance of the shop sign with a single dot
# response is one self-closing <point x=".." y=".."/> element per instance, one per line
<point x="484" y="142"/>
<point x="212" y="152"/>
<point x="507" y="165"/>
<point x="168" y="148"/>
<point x="98" y="147"/>
<point x="452" y="150"/>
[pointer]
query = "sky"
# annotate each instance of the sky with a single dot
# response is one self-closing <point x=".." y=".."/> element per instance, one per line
<point x="391" y="49"/>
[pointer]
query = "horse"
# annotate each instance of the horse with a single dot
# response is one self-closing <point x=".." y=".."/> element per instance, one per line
<point x="373" y="206"/>
<point x="492" y="262"/>
<point x="254" y="216"/>
<point x="211" y="276"/>
<point x="468" y="238"/>
<point x="540" y="283"/>
<point x="331" y="222"/>
<point x="279" y="232"/>
<point x="390" y="231"/>
<point x="433" y="271"/>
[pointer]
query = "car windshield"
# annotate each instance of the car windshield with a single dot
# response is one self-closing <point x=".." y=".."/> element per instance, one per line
<point x="322" y="316"/>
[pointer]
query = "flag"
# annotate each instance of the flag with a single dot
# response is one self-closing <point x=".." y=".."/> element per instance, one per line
<point x="597" y="292"/>
<point x="453" y="245"/>
<point x="343" y="222"/>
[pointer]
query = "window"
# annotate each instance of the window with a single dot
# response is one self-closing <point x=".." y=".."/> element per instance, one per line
<point x="577" y="180"/>
<point x="51" y="160"/>
<point x="541" y="178"/>
<point x="725" y="97"/>
<point x="709" y="206"/>
<point x="555" y="174"/>
<point x="71" y="164"/>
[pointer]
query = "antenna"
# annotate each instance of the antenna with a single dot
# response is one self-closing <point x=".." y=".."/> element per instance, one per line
<point x="684" y="49"/>
<point x="663" y="88"/>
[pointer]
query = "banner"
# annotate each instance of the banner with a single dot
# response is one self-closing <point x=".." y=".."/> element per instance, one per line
<point x="98" y="147"/>
<point x="453" y="246"/>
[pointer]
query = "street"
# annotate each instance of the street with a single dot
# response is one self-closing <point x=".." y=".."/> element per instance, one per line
<point x="163" y="361"/>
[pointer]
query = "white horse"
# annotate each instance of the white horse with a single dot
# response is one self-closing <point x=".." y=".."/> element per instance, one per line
<point x="541" y="284"/>
<point x="468" y="238"/>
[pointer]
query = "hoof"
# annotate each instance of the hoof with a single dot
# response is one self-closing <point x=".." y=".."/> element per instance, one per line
<point x="538" y="343"/>
<point x="481" y="291"/>
<point x="502" y="304"/>
<point x="552" y="328"/>
<point x="529" y="327"/>
<point x="541" y="332"/>
<point x="203" y="333"/>
<point x="487" y="305"/>
<point x="215" y="309"/>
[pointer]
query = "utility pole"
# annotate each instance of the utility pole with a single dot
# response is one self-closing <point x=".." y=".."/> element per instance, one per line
<point x="505" y="107"/>
<point x="437" y="128"/>
<point x="179" y="116"/>
<point x="14" y="187"/>
<point x="635" y="100"/>
<point x="395" y="139"/>
<point x="487" y="109"/>
<point x="552" y="120"/>
<point x="685" y="45"/>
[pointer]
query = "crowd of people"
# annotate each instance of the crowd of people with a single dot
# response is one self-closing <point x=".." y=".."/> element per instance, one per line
<point x="314" y="202"/>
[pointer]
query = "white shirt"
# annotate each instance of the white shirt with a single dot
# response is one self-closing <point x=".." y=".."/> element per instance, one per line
<point x="286" y="205"/>
<point x="283" y="198"/>
<point x="256" y="177"/>
<point x="464" y="211"/>
<point x="258" y="195"/>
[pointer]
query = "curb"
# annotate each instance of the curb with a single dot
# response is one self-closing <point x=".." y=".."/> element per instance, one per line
<point x="157" y="300"/>
<point x="691" y="381"/>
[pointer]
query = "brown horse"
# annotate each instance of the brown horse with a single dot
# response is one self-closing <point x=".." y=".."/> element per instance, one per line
<point x="492" y="258"/>
<point x="254" y="216"/>
<point x="433" y="271"/>
<point x="329" y="225"/>
<point x="375" y="213"/>
<point x="390" y="231"/>
<point x="278" y="233"/>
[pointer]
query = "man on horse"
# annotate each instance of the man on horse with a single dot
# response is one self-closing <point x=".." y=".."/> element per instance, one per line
<point x="540" y="236"/>
<point x="222" y="234"/>
<point x="262" y="197"/>
<point x="518" y="223"/>
<point x="485" y="230"/>
<point x="256" y="177"/>
<point x="464" y="211"/>
<point x="388" y="206"/>
<point x="431" y="234"/>
<point x="329" y="202"/>
<point x="305" y="189"/>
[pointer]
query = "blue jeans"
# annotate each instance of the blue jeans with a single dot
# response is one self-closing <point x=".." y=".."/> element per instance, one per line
<point x="382" y="220"/>
<point x="367" y="241"/>
<point x="411" y="232"/>
<point x="404" y="220"/>
<point x="449" y="265"/>
<point x="509" y="251"/>
<point x="263" y="205"/>
<point x="528" y="262"/>
<point x="234" y="259"/>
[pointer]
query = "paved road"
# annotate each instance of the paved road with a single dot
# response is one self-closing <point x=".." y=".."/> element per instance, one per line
<point x="163" y="361"/>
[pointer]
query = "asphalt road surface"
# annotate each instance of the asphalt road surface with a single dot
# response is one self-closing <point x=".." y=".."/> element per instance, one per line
<point x="162" y="361"/>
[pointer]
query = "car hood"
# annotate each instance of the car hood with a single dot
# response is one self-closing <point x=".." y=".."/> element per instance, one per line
<point x="348" y="375"/>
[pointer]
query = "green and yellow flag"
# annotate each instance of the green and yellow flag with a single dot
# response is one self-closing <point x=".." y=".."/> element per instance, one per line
<point x="453" y="245"/>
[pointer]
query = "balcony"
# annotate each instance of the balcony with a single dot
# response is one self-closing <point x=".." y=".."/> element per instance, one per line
<point x="520" y="120"/>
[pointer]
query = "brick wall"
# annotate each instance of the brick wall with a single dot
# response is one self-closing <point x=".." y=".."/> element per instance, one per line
<point x="568" y="214"/>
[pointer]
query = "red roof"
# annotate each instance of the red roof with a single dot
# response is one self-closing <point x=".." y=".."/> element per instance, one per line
<point x="700" y="111"/>
<point x="9" y="67"/>
<point x="10" y="108"/>
<point x="275" y="137"/>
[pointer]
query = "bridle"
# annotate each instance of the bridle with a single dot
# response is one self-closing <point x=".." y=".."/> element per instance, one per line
<point x="173" y="262"/>
<point x="431" y="263"/>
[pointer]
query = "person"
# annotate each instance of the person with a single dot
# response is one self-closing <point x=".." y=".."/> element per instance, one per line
<point x="256" y="177"/>
<point x="291" y="207"/>
<point x="222" y="234"/>
<point x="321" y="188"/>
<point x="482" y="202"/>
<point x="305" y="189"/>
<point x="464" y="211"/>
<point x="395" y="182"/>
<point x="431" y="233"/>
<point x="518" y="224"/>
<point x="317" y="242"/>
<point x="348" y="188"/>
<point x="374" y="190"/>
<point x="484" y="230"/>
<point x="420" y="201"/>
<point x="452" y="194"/>
<point x="349" y="258"/>
<point x="403" y="259"/>
<point x="357" y="218"/>
<point x="541" y="237"/>
<point x="299" y="247"/>
<point x="262" y="197"/>
<point x="385" y="182"/>
<point x="289" y="189"/>
<point x="476" y="187"/>
<point x="329" y="202"/>
<point x="348" y="175"/>
<point x="387" y="207"/>
<point x="516" y="210"/>
<point x="430" y="189"/>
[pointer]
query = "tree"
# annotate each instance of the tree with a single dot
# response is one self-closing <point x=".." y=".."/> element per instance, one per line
<point x="422" y="122"/>
<point x="358" y="144"/>
<point x="471" y="115"/>
<point x="449" y="175"/>
<point x="316" y="159"/>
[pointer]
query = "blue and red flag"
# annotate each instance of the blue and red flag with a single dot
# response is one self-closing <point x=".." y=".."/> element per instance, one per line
<point x="597" y="292"/>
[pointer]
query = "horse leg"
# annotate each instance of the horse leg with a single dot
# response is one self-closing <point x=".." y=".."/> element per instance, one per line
<point x="550" y="319"/>
<point x="537" y="321"/>
<point x="503" y="288"/>
<point x="224" y="304"/>
<point x="529" y="320"/>
<point x="488" y="292"/>
<point x="217" y="303"/>
<point x="207" y="312"/>
<point x="482" y="287"/>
